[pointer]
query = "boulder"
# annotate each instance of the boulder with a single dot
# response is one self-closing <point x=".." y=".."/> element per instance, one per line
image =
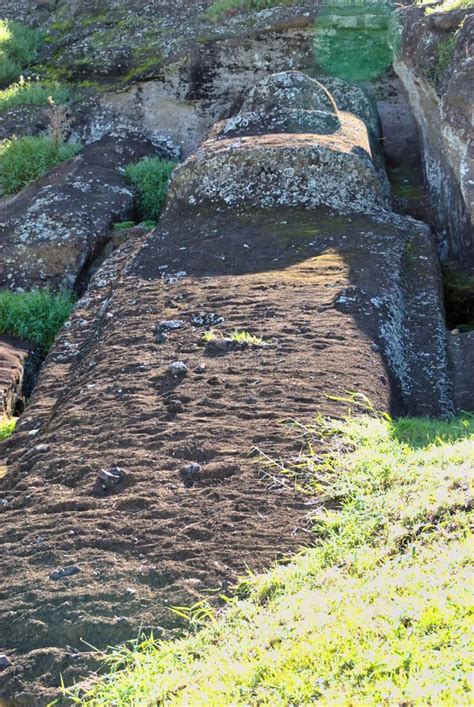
<point x="14" y="356"/>
<point x="295" y="90"/>
<point x="436" y="68"/>
<point x="54" y="228"/>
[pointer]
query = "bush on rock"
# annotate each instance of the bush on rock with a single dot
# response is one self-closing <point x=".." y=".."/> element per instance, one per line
<point x="150" y="177"/>
<point x="22" y="160"/>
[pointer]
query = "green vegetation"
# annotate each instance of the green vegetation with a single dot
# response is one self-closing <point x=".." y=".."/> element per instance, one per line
<point x="240" y="337"/>
<point x="36" y="316"/>
<point x="18" y="49"/>
<point x="22" y="160"/>
<point x="7" y="425"/>
<point x="125" y="225"/>
<point x="245" y="337"/>
<point x="228" y="7"/>
<point x="150" y="177"/>
<point x="377" y="612"/>
<point x="35" y="93"/>
<point x="444" y="56"/>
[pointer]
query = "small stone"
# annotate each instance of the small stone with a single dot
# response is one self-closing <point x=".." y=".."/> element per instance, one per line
<point x="200" y="369"/>
<point x="208" y="319"/>
<point x="130" y="591"/>
<point x="42" y="448"/>
<point x="62" y="572"/>
<point x="111" y="477"/>
<point x="215" y="380"/>
<point x="174" y="406"/>
<point x="178" y="368"/>
<point x="161" y="337"/>
<point x="3" y="503"/>
<point x="170" y="325"/>
<point x="375" y="347"/>
<point x="4" y="662"/>
<point x="220" y="345"/>
<point x="191" y="473"/>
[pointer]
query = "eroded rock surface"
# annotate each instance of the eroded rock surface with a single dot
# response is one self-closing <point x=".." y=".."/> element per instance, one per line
<point x="436" y="66"/>
<point x="137" y="423"/>
<point x="14" y="355"/>
<point x="51" y="230"/>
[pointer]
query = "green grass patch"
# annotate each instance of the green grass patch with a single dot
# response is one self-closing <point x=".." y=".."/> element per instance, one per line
<point x="18" y="49"/>
<point x="150" y="178"/>
<point x="7" y="425"/>
<point x="36" y="316"/>
<point x="377" y="612"/>
<point x="221" y="8"/>
<point x="22" y="160"/>
<point x="34" y="93"/>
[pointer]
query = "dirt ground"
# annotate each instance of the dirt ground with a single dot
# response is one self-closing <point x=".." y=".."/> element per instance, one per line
<point x="165" y="534"/>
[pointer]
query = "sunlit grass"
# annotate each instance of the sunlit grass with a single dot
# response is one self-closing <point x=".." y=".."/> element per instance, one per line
<point x="378" y="611"/>
<point x="7" y="425"/>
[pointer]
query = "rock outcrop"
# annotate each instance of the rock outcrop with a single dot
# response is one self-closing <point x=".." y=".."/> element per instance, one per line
<point x="51" y="230"/>
<point x="135" y="421"/>
<point x="14" y="357"/>
<point x="436" y="66"/>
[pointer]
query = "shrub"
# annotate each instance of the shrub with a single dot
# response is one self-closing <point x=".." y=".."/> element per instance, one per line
<point x="22" y="160"/>
<point x="35" y="93"/>
<point x="18" y="49"/>
<point x="150" y="177"/>
<point x="36" y="316"/>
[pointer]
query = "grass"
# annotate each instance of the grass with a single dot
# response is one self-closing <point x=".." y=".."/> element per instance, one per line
<point x="7" y="425"/>
<point x="150" y="178"/>
<point x="377" y="612"/>
<point x="22" y="160"/>
<point x="27" y="92"/>
<point x="221" y="8"/>
<point x="240" y="337"/>
<point x="18" y="49"/>
<point x="36" y="316"/>
<point x="245" y="337"/>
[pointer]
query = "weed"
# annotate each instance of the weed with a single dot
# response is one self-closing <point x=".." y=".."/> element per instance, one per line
<point x="444" y="56"/>
<point x="208" y="336"/>
<point x="36" y="316"/>
<point x="237" y="337"/>
<point x="59" y="122"/>
<point x="124" y="225"/>
<point x="7" y="425"/>
<point x="150" y="177"/>
<point x="18" y="49"/>
<point x="377" y="612"/>
<point x="245" y="337"/>
<point x="22" y="160"/>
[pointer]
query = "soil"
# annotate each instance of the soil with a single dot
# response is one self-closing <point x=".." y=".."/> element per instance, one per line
<point x="164" y="535"/>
